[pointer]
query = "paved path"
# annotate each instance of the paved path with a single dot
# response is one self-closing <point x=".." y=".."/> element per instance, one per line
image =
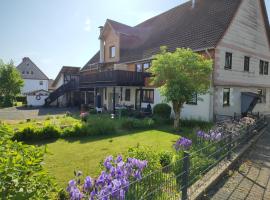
<point x="21" y="113"/>
<point x="252" y="179"/>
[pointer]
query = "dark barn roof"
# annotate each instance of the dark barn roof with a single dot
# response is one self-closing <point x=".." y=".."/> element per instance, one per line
<point x="197" y="28"/>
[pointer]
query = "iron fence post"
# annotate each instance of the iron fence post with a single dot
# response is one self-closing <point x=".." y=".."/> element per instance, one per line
<point x="229" y="147"/>
<point x="185" y="176"/>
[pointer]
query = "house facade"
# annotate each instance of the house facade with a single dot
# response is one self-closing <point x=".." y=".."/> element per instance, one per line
<point x="234" y="33"/>
<point x="34" y="80"/>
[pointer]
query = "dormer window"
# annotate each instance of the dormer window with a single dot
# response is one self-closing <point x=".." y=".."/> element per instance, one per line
<point x="112" y="52"/>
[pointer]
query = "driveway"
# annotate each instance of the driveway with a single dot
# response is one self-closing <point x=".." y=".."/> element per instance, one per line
<point x="252" y="179"/>
<point x="21" y="113"/>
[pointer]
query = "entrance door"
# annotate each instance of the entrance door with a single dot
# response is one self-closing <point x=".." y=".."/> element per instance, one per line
<point x="117" y="99"/>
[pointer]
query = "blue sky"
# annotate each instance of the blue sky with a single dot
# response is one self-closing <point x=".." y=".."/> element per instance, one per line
<point x="54" y="33"/>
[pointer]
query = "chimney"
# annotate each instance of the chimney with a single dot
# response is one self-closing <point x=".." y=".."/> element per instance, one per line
<point x="101" y="50"/>
<point x="193" y="3"/>
<point x="25" y="59"/>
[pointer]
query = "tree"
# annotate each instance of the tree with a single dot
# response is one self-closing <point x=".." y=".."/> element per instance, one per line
<point x="179" y="75"/>
<point x="10" y="83"/>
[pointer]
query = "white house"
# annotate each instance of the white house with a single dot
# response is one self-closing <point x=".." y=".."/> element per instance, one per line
<point x="34" y="80"/>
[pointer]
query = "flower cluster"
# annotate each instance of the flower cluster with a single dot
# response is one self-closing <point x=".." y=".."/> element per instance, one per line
<point x="183" y="144"/>
<point x="247" y="121"/>
<point x="212" y="135"/>
<point x="113" y="181"/>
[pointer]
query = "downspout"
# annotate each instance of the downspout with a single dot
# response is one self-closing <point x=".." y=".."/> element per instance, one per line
<point x="211" y="103"/>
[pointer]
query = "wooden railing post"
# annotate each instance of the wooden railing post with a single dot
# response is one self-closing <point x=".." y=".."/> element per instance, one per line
<point x="185" y="176"/>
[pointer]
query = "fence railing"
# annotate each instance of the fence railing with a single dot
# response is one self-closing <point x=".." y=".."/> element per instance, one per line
<point x="175" y="180"/>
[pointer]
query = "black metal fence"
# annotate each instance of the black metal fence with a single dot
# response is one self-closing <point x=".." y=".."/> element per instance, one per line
<point x="181" y="179"/>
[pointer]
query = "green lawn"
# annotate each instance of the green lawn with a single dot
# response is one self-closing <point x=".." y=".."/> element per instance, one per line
<point x="64" y="156"/>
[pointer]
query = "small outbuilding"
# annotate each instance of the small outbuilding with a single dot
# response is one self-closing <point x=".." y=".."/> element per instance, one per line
<point x="36" y="98"/>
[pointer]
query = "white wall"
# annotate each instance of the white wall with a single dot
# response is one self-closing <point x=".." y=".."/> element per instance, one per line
<point x="202" y="111"/>
<point x="33" y="101"/>
<point x="33" y="85"/>
<point x="235" y="101"/>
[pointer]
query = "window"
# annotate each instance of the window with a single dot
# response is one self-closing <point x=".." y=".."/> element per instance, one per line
<point x="23" y="72"/>
<point x="32" y="72"/>
<point x="27" y="72"/>
<point x="228" y="60"/>
<point x="262" y="93"/>
<point x="139" y="68"/>
<point x="146" y="66"/>
<point x="142" y="67"/>
<point x="226" y="96"/>
<point x="148" y="96"/>
<point x="246" y="64"/>
<point x="40" y="82"/>
<point x="263" y="67"/>
<point x="193" y="100"/>
<point x="105" y="94"/>
<point x="127" y="95"/>
<point x="112" y="51"/>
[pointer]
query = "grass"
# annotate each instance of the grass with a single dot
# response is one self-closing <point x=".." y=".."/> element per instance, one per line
<point x="64" y="156"/>
<point x="85" y="154"/>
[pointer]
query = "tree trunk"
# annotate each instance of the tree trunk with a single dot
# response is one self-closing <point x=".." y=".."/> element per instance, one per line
<point x="177" y="110"/>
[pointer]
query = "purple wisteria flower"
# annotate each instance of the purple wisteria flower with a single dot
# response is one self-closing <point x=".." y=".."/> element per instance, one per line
<point x="211" y="136"/>
<point x="73" y="190"/>
<point x="112" y="182"/>
<point x="183" y="144"/>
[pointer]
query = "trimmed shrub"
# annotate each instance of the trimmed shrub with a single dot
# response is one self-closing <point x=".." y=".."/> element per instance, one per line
<point x="132" y="124"/>
<point x="162" y="110"/>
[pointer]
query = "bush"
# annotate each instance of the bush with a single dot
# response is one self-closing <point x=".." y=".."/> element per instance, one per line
<point x="49" y="132"/>
<point x="132" y="124"/>
<point x="30" y="133"/>
<point x="145" y="153"/>
<point x="192" y="123"/>
<point x="162" y="110"/>
<point x="165" y="158"/>
<point x="98" y="126"/>
<point x="93" y="112"/>
<point x="21" y="171"/>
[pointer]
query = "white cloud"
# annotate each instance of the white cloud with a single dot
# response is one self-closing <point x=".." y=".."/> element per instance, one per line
<point x="87" y="24"/>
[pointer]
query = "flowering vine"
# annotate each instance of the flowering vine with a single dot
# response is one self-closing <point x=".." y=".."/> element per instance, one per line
<point x="113" y="181"/>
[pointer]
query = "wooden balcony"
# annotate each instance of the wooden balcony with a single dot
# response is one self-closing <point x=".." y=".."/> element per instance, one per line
<point x="112" y="78"/>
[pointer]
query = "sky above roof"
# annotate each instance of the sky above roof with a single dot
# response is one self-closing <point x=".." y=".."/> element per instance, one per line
<point x="54" y="33"/>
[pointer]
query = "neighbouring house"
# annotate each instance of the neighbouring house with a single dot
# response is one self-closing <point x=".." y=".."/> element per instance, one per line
<point x="66" y="88"/>
<point x="234" y="33"/>
<point x="34" y="81"/>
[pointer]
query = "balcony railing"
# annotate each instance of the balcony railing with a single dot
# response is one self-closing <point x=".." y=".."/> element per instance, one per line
<point x="113" y="78"/>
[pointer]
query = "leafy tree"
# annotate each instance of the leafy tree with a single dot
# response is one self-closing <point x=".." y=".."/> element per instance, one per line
<point x="179" y="75"/>
<point x="10" y="83"/>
